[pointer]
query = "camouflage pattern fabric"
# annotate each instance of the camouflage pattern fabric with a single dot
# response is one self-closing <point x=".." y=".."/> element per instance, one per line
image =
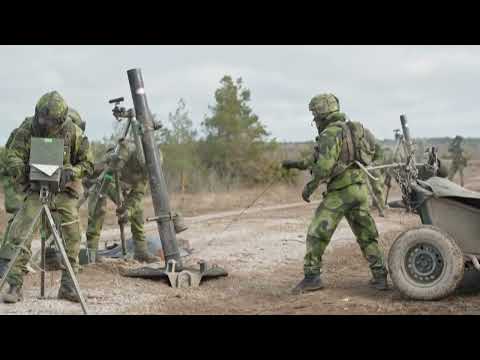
<point x="352" y="203"/>
<point x="64" y="207"/>
<point x="133" y="181"/>
<point x="77" y="157"/>
<point x="53" y="105"/>
<point x="326" y="162"/>
<point x="324" y="104"/>
<point x="134" y="203"/>
<point x="346" y="196"/>
<point x="13" y="194"/>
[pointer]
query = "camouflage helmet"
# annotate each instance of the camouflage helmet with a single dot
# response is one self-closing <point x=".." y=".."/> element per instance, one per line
<point x="52" y="106"/>
<point x="324" y="104"/>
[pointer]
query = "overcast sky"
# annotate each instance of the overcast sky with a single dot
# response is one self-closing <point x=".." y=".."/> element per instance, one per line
<point x="436" y="86"/>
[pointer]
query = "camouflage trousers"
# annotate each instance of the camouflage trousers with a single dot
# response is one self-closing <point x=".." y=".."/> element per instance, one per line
<point x="64" y="210"/>
<point x="453" y="171"/>
<point x="134" y="204"/>
<point x="351" y="203"/>
<point x="13" y="202"/>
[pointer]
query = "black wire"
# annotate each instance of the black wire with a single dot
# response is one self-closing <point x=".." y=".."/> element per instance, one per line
<point x="249" y="206"/>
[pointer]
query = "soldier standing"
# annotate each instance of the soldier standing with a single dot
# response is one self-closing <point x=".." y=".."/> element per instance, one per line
<point x="459" y="161"/>
<point x="51" y="120"/>
<point x="339" y="145"/>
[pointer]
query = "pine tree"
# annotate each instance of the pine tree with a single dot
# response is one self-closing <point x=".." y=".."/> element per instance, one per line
<point x="179" y="147"/>
<point x="236" y="142"/>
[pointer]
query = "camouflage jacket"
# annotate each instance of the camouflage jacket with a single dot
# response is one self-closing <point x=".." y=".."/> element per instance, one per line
<point x="132" y="174"/>
<point x="131" y="171"/>
<point x="13" y="193"/>
<point x="77" y="155"/>
<point x="327" y="165"/>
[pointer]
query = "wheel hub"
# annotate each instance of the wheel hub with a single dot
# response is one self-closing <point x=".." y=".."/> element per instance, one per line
<point x="424" y="263"/>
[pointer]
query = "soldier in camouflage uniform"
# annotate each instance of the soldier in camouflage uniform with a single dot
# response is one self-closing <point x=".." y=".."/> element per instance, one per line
<point x="346" y="194"/>
<point x="51" y="120"/>
<point x="14" y="195"/>
<point x="133" y="181"/>
<point x="459" y="161"/>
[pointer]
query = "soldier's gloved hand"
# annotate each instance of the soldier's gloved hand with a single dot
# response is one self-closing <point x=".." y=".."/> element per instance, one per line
<point x="289" y="164"/>
<point x="66" y="177"/>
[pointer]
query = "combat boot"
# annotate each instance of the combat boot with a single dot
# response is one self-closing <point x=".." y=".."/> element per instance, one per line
<point x="67" y="289"/>
<point x="309" y="283"/>
<point x="53" y="261"/>
<point x="379" y="282"/>
<point x="144" y="256"/>
<point x="13" y="295"/>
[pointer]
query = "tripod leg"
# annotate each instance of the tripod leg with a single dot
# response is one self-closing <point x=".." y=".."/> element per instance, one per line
<point x="66" y="262"/>
<point x="19" y="248"/>
<point x="43" y="255"/>
<point x="42" y="265"/>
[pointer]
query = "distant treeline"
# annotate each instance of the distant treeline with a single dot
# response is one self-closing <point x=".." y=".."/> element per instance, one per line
<point x="232" y="148"/>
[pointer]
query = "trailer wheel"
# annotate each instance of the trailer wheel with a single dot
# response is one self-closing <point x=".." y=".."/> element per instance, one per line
<point x="425" y="263"/>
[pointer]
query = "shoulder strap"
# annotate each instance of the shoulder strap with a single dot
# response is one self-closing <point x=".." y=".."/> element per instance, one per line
<point x="348" y="145"/>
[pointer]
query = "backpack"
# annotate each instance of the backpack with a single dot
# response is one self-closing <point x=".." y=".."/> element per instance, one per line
<point x="358" y="143"/>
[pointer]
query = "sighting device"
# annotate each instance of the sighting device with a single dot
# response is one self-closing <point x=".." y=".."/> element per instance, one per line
<point x="46" y="163"/>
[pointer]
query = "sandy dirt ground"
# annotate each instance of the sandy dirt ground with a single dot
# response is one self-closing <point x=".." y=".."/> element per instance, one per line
<point x="263" y="253"/>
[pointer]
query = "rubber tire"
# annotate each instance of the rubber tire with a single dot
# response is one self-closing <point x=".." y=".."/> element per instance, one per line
<point x="452" y="272"/>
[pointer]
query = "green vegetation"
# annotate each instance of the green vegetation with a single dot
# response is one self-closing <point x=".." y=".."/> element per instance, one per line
<point x="232" y="147"/>
<point x="235" y="149"/>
